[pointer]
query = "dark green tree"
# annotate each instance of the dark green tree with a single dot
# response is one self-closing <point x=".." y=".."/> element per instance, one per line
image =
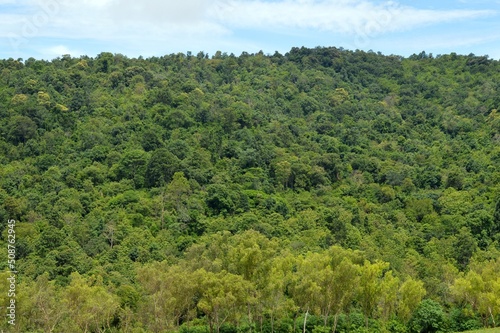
<point x="161" y="167"/>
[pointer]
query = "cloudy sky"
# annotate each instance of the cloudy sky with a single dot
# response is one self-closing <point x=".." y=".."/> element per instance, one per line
<point x="50" y="28"/>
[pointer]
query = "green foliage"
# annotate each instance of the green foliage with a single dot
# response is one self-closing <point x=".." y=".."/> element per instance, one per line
<point x="161" y="168"/>
<point x="429" y="317"/>
<point x="324" y="188"/>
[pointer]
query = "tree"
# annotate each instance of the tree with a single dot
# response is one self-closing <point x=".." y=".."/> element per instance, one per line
<point x="170" y="294"/>
<point x="45" y="309"/>
<point x="480" y="290"/>
<point x="21" y="129"/>
<point x="161" y="168"/>
<point x="283" y="171"/>
<point x="496" y="219"/>
<point x="429" y="317"/>
<point x="223" y="297"/>
<point x="220" y="199"/>
<point x="177" y="195"/>
<point x="90" y="308"/>
<point x="411" y="293"/>
<point x="307" y="292"/>
<point x="343" y="287"/>
<point x="370" y="287"/>
<point x="273" y="296"/>
<point x="465" y="246"/>
<point x="133" y="166"/>
<point x="389" y="293"/>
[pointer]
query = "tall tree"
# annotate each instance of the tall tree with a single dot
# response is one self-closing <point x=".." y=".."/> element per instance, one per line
<point x="223" y="297"/>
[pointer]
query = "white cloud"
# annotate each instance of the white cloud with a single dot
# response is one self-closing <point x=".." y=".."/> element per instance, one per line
<point x="347" y="16"/>
<point x="448" y="42"/>
<point x="159" y="12"/>
<point x="109" y="19"/>
<point x="59" y="50"/>
<point x="150" y="24"/>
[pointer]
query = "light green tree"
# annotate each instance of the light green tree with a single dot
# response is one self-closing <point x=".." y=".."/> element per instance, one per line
<point x="342" y="288"/>
<point x="169" y="295"/>
<point x="370" y="287"/>
<point x="480" y="288"/>
<point x="411" y="293"/>
<point x="276" y="304"/>
<point x="223" y="297"/>
<point x="90" y="307"/>
<point x="41" y="304"/>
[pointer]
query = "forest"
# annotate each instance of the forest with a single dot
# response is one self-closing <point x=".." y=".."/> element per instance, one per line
<point x="323" y="190"/>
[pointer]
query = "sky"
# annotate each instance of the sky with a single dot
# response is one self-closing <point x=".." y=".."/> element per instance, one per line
<point x="47" y="29"/>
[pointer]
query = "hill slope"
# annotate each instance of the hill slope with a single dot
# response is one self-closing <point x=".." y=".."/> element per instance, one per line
<point x="252" y="191"/>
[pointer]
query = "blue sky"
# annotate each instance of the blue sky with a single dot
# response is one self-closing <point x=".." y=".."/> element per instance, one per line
<point x="46" y="29"/>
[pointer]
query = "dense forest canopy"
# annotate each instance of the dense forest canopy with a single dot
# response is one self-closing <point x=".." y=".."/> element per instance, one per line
<point x="323" y="190"/>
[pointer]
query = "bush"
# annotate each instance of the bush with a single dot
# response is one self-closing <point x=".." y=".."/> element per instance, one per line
<point x="429" y="317"/>
<point x="321" y="329"/>
<point x="228" y="328"/>
<point x="462" y="319"/>
<point x="193" y="329"/>
<point x="395" y="326"/>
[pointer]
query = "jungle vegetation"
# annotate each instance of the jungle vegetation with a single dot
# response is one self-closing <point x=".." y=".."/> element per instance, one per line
<point x="323" y="190"/>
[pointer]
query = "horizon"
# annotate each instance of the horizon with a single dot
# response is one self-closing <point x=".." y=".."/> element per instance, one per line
<point x="218" y="53"/>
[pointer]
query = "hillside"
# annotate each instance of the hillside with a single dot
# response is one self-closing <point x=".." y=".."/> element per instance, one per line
<point x="324" y="189"/>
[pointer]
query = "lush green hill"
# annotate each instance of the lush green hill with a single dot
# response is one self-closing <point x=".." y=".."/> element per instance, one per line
<point x="323" y="187"/>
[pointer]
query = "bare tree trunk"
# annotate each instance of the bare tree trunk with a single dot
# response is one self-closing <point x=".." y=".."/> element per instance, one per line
<point x="162" y="218"/>
<point x="492" y="317"/>
<point x="335" y="320"/>
<point x="305" y="321"/>
<point x="250" y="319"/>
